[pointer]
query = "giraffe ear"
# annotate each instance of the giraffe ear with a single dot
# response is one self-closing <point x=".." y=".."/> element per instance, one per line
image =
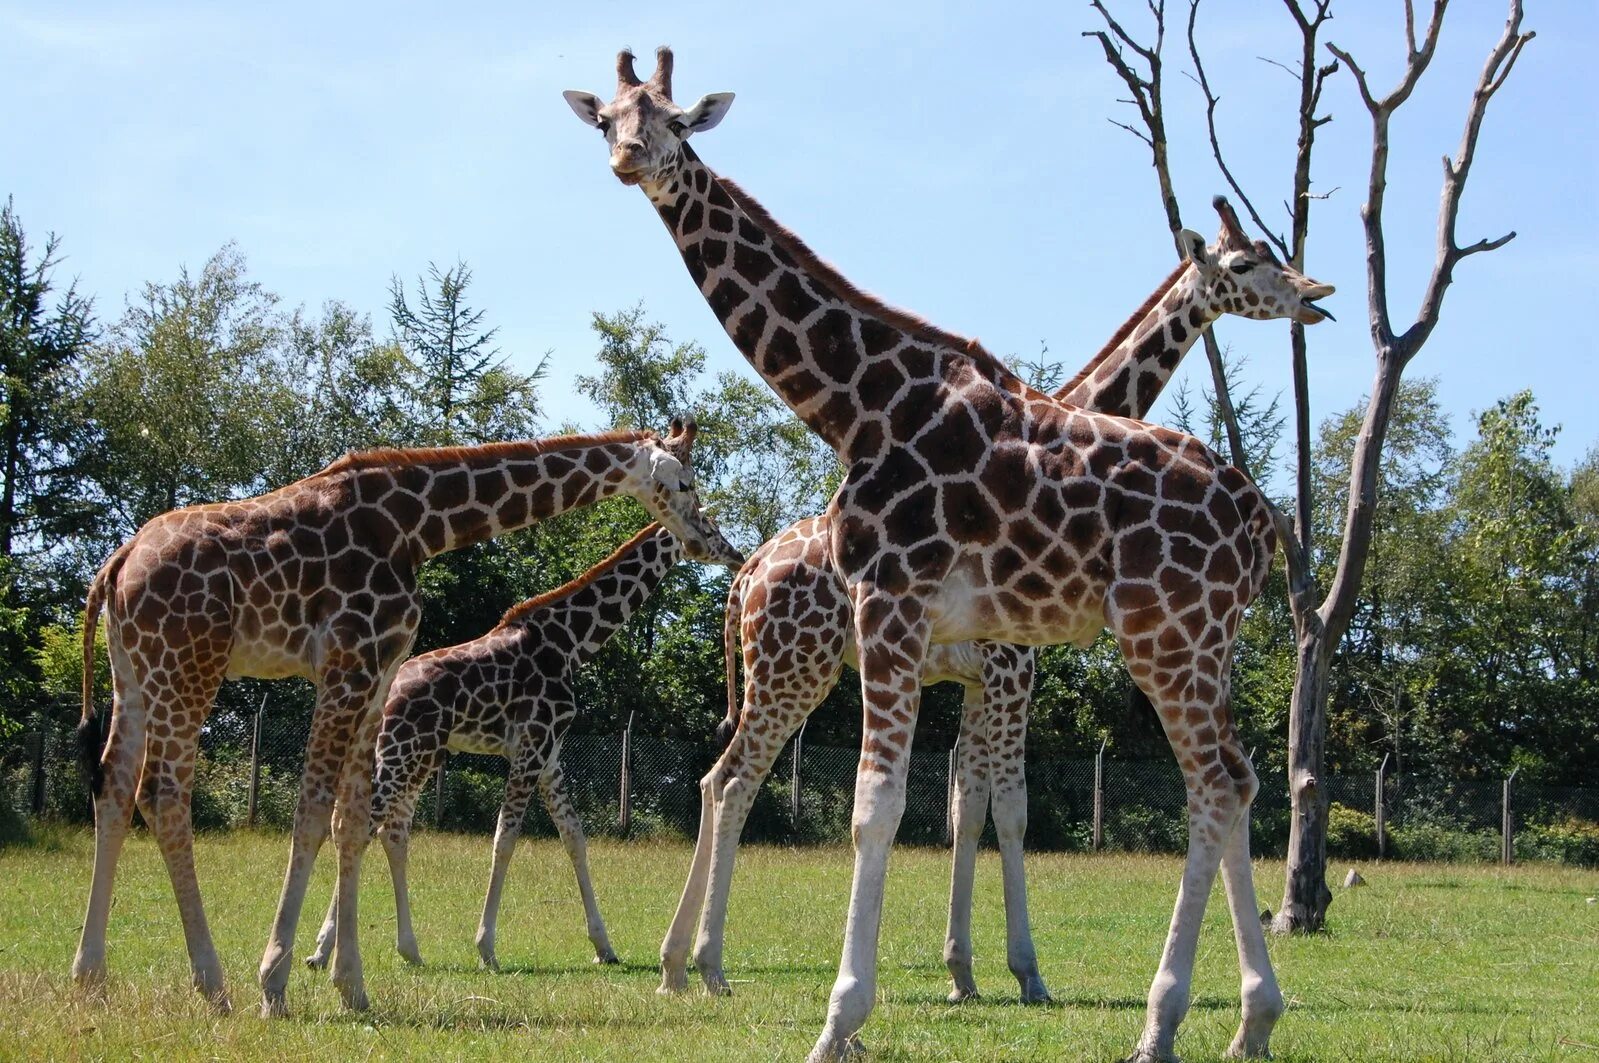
<point x="585" y="105"/>
<point x="1195" y="249"/>
<point x="680" y="437"/>
<point x="707" y="113"/>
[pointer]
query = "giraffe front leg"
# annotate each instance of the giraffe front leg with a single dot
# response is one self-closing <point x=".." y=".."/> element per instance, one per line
<point x="552" y="787"/>
<point x="352" y="831"/>
<point x="518" y="792"/>
<point x="891" y="632"/>
<point x="971" y="809"/>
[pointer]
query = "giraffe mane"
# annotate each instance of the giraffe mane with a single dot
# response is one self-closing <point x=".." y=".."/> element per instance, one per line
<point x="571" y="587"/>
<point x="1123" y="332"/>
<point x="913" y="325"/>
<point x="402" y="457"/>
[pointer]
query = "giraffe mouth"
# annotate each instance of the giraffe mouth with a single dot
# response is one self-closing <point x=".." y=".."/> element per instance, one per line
<point x="1316" y="313"/>
<point x="629" y="177"/>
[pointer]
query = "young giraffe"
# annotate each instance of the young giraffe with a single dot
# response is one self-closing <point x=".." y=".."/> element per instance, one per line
<point x="977" y="508"/>
<point x="316" y="579"/>
<point x="508" y="693"/>
<point x="793" y="614"/>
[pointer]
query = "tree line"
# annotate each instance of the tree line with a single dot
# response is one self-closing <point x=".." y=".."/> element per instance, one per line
<point x="1472" y="649"/>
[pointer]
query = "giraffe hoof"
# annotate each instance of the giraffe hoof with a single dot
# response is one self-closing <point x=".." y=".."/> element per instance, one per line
<point x="716" y="985"/>
<point x="829" y="1050"/>
<point x="317" y="961"/>
<point x="961" y="994"/>
<point x="490" y="963"/>
<point x="1034" y="991"/>
<point x="674" y="981"/>
<point x="89" y="977"/>
<point x="411" y="956"/>
<point x="607" y="957"/>
<point x="355" y="998"/>
<point x="274" y="1006"/>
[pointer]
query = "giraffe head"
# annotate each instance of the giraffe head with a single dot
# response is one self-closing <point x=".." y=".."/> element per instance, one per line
<point x="664" y="483"/>
<point x="643" y="127"/>
<point x="1245" y="278"/>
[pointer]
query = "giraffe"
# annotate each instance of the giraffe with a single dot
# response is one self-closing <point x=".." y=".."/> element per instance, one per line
<point x="316" y="579"/>
<point x="792" y="612"/>
<point x="974" y="507"/>
<point x="508" y="692"/>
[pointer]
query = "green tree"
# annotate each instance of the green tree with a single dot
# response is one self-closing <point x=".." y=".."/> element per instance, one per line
<point x="41" y="344"/>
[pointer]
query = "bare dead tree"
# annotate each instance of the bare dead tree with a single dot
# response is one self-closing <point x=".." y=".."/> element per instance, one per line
<point x="1320" y="622"/>
<point x="1147" y="98"/>
<point x="1320" y="627"/>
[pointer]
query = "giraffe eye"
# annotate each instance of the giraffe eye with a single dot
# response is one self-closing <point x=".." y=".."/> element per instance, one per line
<point x="604" y="125"/>
<point x="677" y="127"/>
<point x="1241" y="267"/>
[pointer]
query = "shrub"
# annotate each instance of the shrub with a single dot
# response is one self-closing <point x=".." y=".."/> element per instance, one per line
<point x="1351" y="833"/>
<point x="1572" y="840"/>
<point x="1430" y="840"/>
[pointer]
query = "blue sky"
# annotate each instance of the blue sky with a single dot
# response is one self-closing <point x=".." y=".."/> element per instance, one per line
<point x="953" y="158"/>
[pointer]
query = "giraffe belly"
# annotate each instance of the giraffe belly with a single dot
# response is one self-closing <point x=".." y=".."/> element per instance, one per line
<point x="1069" y="613"/>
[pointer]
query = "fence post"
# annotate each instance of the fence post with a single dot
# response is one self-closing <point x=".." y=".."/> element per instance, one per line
<point x="255" y="762"/>
<point x="624" y="799"/>
<point x="1379" y="809"/>
<point x="38" y="765"/>
<point x="794" y="783"/>
<point x="1099" y="796"/>
<point x="438" y="790"/>
<point x="949" y="794"/>
<point x="1507" y="825"/>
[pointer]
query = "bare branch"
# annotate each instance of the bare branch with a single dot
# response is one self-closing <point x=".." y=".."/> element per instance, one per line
<point x="1121" y="34"/>
<point x="1486" y="245"/>
<point x="1284" y="67"/>
<point x="1330" y="192"/>
<point x="1215" y="142"/>
<point x="1360" y="76"/>
<point x="1141" y="136"/>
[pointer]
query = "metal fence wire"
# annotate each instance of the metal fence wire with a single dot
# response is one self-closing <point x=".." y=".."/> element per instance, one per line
<point x="637" y="785"/>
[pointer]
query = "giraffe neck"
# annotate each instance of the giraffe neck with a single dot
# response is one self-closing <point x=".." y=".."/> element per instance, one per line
<point x="592" y="607"/>
<point x="834" y="355"/>
<point x="442" y="499"/>
<point x="1128" y="376"/>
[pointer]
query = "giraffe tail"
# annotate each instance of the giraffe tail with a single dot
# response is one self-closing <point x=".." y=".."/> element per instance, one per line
<point x="92" y="730"/>
<point x="730" y="625"/>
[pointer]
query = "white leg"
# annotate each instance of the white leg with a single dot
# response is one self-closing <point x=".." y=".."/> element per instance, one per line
<point x="318" y="959"/>
<point x="397" y="847"/>
<point x="971" y="810"/>
<point x="518" y="792"/>
<point x="1010" y="824"/>
<point x="1262" y="1000"/>
<point x="679" y="935"/>
<point x="113" y="811"/>
<point x="734" y="783"/>
<point x="552" y="786"/>
<point x="891" y="633"/>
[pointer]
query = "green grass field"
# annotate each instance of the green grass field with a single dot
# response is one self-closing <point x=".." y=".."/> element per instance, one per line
<point x="1428" y="962"/>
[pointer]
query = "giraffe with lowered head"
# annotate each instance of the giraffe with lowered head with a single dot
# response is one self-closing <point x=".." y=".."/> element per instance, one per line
<point x="510" y="692"/>
<point x="974" y="507"/>
<point x="316" y="579"/>
<point x="790" y="610"/>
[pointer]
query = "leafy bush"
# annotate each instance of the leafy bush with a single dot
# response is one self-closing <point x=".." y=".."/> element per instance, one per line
<point x="1572" y="840"/>
<point x="1350" y="832"/>
<point x="1429" y="839"/>
<point x="1139" y="829"/>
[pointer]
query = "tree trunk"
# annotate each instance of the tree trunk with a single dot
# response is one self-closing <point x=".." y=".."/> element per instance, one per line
<point x="1305" y="893"/>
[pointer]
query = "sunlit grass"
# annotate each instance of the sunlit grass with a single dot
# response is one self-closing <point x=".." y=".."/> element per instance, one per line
<point x="1427" y="962"/>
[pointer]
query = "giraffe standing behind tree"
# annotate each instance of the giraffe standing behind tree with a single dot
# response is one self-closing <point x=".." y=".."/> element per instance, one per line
<point x="790" y="610"/>
<point x="316" y="579"/>
<point x="975" y="507"/>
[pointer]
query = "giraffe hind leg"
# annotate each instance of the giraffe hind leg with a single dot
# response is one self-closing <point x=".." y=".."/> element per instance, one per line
<point x="120" y="764"/>
<point x="165" y="794"/>
<point x="552" y="787"/>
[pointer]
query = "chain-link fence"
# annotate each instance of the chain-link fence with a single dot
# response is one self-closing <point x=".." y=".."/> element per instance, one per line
<point x="637" y="785"/>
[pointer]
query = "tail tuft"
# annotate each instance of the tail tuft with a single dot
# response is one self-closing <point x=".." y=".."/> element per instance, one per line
<point x="92" y="736"/>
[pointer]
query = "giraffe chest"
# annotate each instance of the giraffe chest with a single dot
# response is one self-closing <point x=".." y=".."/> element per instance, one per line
<point x="1032" y="607"/>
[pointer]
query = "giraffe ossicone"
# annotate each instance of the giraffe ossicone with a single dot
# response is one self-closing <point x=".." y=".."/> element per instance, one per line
<point x="316" y="579"/>
<point x="975" y="507"/>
